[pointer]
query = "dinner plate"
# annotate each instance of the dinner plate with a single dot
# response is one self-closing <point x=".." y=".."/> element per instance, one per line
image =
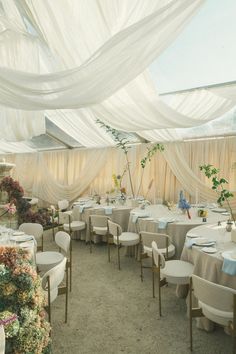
<point x="204" y="242"/>
<point x="192" y="236"/>
<point x="209" y="249"/>
<point x="21" y="238"/>
<point x="219" y="210"/>
<point x="18" y="233"/>
<point x="231" y="255"/>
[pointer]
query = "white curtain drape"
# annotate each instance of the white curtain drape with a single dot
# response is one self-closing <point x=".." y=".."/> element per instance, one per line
<point x="51" y="176"/>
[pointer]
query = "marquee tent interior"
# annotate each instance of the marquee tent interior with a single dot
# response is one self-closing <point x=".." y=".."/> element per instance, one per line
<point x="59" y="74"/>
<point x="73" y="75"/>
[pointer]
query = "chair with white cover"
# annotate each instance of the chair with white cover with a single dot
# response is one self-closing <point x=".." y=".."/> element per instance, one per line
<point x="173" y="271"/>
<point x="63" y="205"/>
<point x="216" y="302"/>
<point x="163" y="243"/>
<point x="51" y="284"/>
<point x="73" y="223"/>
<point x="98" y="230"/>
<point x="34" y="229"/>
<point x="49" y="259"/>
<point x="122" y="238"/>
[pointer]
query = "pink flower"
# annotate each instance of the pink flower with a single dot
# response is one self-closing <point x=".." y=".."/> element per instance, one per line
<point x="10" y="208"/>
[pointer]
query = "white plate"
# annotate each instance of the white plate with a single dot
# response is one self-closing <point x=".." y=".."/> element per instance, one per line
<point x="192" y="236"/>
<point x="231" y="255"/>
<point x="209" y="249"/>
<point x="219" y="210"/>
<point x="22" y="238"/>
<point x="204" y="242"/>
<point x="18" y="233"/>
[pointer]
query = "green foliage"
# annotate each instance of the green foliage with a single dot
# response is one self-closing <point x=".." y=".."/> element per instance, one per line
<point x="217" y="183"/>
<point x="150" y="153"/>
<point x="121" y="142"/>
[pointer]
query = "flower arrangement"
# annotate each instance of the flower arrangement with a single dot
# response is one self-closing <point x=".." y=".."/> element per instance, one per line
<point x="21" y="304"/>
<point x="18" y="203"/>
<point x="183" y="204"/>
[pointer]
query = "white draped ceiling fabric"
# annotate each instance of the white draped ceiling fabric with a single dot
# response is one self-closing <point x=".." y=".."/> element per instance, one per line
<point x="89" y="61"/>
<point x="119" y="37"/>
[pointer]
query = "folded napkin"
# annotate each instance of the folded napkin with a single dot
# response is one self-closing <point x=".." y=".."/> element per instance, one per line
<point x="190" y="243"/>
<point x="108" y="210"/>
<point x="229" y="266"/>
<point x="81" y="208"/>
<point x="162" y="222"/>
<point x="134" y="218"/>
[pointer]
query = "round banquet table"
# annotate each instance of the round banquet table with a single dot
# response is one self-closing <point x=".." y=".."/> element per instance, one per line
<point x="208" y="265"/>
<point x="177" y="229"/>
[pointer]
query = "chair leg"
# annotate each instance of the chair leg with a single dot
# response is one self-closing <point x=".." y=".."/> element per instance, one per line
<point x="66" y="304"/>
<point x="153" y="282"/>
<point x="118" y="248"/>
<point x="70" y="276"/>
<point x="141" y="266"/>
<point x="159" y="290"/>
<point x="190" y="316"/>
<point x="108" y="249"/>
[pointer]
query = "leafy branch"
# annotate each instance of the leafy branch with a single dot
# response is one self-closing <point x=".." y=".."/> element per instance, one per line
<point x="121" y="143"/>
<point x="151" y="150"/>
<point x="218" y="185"/>
<point x="124" y="144"/>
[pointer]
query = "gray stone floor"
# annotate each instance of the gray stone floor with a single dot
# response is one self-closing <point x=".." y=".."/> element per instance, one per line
<point x="112" y="311"/>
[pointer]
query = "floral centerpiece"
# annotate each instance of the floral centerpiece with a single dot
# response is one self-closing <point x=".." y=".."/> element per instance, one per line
<point x="183" y="204"/>
<point x="16" y="201"/>
<point x="21" y="304"/>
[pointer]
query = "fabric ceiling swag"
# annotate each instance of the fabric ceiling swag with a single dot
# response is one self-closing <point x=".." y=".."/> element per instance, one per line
<point x="128" y="53"/>
<point x="19" y="50"/>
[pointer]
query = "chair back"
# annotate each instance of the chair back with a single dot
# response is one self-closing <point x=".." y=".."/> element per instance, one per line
<point x="162" y="240"/>
<point x="63" y="217"/>
<point x="114" y="229"/>
<point x="99" y="220"/>
<point x="32" y="229"/>
<point x="158" y="258"/>
<point x="63" y="241"/>
<point x="76" y="214"/>
<point x="55" y="276"/>
<point x="214" y="295"/>
<point x="63" y="204"/>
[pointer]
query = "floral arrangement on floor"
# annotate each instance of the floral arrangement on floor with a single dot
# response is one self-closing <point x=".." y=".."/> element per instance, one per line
<point x="21" y="304"/>
<point x="15" y="197"/>
<point x="183" y="204"/>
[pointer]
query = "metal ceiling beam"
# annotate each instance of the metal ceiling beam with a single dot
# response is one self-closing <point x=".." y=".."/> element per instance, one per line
<point x="229" y="83"/>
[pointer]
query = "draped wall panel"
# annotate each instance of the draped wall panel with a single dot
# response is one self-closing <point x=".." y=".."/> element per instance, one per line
<point x="68" y="174"/>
